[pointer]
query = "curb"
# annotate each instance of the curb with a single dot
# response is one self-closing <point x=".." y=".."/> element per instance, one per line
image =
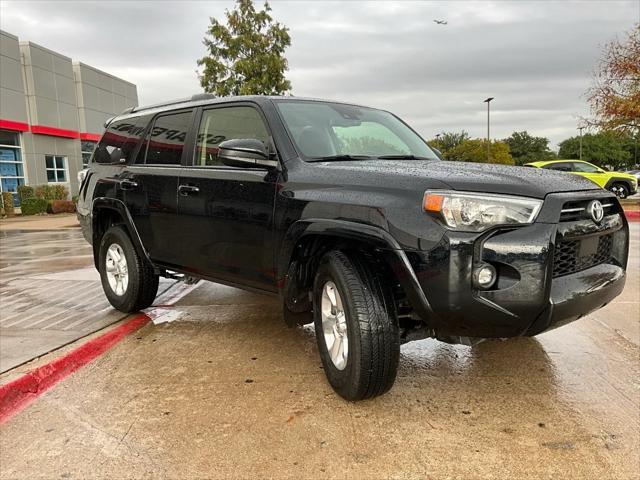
<point x="21" y="392"/>
<point x="632" y="215"/>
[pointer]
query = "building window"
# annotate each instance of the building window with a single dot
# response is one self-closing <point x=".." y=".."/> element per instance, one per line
<point x="11" y="168"/>
<point x="87" y="147"/>
<point x="56" y="168"/>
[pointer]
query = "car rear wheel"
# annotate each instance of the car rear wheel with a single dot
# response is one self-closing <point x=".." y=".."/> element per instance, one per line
<point x="356" y="327"/>
<point x="128" y="280"/>
<point x="620" y="190"/>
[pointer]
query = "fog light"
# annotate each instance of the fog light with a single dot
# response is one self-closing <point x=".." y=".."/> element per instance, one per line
<point x="485" y="276"/>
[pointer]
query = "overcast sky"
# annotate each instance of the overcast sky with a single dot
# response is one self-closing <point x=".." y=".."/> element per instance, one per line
<point x="535" y="57"/>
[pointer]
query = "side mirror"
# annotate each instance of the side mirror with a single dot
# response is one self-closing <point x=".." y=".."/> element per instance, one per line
<point x="245" y="153"/>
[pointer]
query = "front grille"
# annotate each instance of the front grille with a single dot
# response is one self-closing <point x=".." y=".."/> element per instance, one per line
<point x="578" y="209"/>
<point x="571" y="256"/>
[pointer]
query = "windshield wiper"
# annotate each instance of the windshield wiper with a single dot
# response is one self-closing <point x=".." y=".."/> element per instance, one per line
<point x="339" y="158"/>
<point x="402" y="157"/>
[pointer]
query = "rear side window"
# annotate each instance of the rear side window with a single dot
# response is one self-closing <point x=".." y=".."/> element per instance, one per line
<point x="228" y="123"/>
<point x="166" y="139"/>
<point x="560" y="167"/>
<point x="120" y="140"/>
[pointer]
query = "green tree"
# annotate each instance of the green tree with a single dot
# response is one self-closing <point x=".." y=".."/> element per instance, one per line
<point x="476" y="151"/>
<point x="447" y="141"/>
<point x="604" y="148"/>
<point x="526" y="148"/>
<point x="245" y="56"/>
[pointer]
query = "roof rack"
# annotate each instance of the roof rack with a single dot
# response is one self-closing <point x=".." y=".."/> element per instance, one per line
<point x="194" y="98"/>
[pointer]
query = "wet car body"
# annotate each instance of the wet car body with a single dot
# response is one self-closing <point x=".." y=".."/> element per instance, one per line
<point x="260" y="229"/>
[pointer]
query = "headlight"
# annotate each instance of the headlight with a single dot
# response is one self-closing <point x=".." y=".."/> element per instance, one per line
<point x="473" y="212"/>
<point x="82" y="174"/>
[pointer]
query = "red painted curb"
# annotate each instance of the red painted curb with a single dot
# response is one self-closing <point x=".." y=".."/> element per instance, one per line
<point x="632" y="214"/>
<point x="16" y="395"/>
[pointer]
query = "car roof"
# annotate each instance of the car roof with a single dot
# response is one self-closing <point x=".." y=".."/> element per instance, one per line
<point x="549" y="162"/>
<point x="202" y="99"/>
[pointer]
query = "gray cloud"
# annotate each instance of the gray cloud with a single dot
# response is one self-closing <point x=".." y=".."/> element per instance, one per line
<point x="534" y="57"/>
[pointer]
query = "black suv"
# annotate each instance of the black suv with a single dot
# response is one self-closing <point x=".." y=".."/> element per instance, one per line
<point x="350" y="218"/>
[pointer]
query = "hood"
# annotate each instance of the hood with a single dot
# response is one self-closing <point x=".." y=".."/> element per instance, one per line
<point x="463" y="176"/>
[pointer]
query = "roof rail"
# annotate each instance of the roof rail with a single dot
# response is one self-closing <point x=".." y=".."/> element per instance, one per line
<point x="193" y="98"/>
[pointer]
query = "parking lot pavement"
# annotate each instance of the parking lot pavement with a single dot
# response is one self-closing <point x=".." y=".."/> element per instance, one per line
<point x="226" y="390"/>
<point x="50" y="292"/>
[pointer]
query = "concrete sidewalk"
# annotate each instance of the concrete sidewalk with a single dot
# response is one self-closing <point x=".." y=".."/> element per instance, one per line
<point x="39" y="222"/>
<point x="51" y="292"/>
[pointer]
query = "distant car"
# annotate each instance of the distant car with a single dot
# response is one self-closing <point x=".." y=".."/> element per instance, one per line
<point x="620" y="183"/>
<point x="635" y="173"/>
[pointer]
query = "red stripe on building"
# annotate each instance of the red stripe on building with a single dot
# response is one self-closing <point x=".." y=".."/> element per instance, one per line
<point x="93" y="137"/>
<point x="11" y="125"/>
<point x="54" y="132"/>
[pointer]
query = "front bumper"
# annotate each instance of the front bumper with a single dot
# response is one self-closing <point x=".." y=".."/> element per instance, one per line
<point x="530" y="295"/>
<point x="577" y="295"/>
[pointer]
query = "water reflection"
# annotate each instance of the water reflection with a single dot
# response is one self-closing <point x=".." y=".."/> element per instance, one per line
<point x="517" y="362"/>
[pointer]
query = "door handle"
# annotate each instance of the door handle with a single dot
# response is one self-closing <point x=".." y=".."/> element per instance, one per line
<point x="127" y="184"/>
<point x="186" y="190"/>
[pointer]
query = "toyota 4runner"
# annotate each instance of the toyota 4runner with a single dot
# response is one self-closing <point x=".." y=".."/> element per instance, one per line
<point x="350" y="218"/>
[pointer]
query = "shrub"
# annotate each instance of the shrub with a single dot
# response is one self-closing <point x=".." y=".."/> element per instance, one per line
<point x="51" y="192"/>
<point x="25" y="191"/>
<point x="62" y="206"/>
<point x="60" y="192"/>
<point x="40" y="191"/>
<point x="33" y="206"/>
<point x="7" y="200"/>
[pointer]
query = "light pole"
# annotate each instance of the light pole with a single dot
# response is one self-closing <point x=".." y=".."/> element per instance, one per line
<point x="580" y="128"/>
<point x="488" y="101"/>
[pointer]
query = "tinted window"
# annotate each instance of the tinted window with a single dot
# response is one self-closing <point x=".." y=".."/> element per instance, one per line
<point x="120" y="140"/>
<point x="227" y="123"/>
<point x="166" y="139"/>
<point x="561" y="167"/>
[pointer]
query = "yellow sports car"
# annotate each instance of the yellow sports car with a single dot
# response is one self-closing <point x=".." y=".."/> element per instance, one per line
<point x="622" y="184"/>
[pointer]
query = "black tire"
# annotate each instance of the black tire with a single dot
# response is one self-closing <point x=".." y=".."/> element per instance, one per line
<point x="142" y="281"/>
<point x="620" y="190"/>
<point x="372" y="329"/>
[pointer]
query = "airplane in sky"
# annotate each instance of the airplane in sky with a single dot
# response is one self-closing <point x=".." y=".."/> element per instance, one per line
<point x="441" y="22"/>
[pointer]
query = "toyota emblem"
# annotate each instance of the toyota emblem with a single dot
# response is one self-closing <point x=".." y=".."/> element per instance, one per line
<point x="596" y="211"/>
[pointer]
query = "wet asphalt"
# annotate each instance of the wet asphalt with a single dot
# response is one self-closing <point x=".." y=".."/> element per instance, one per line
<point x="226" y="390"/>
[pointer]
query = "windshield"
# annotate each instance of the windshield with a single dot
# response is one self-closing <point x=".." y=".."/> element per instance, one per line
<point x="323" y="130"/>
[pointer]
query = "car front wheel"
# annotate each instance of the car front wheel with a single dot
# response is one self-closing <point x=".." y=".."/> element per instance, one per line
<point x="128" y="280"/>
<point x="356" y="327"/>
<point x="620" y="190"/>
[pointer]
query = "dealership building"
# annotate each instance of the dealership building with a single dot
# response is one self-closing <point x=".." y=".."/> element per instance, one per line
<point x="52" y="113"/>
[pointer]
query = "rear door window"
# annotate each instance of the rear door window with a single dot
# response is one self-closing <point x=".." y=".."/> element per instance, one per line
<point x="166" y="138"/>
<point x="560" y="167"/>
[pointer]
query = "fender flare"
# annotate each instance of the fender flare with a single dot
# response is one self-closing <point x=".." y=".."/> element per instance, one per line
<point x="613" y="180"/>
<point x="375" y="237"/>
<point x="106" y="203"/>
